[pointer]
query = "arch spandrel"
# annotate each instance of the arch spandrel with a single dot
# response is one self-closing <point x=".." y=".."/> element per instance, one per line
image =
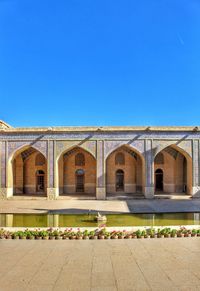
<point x="186" y="146"/>
<point x="14" y="147"/>
<point x="64" y="146"/>
<point x="111" y="146"/>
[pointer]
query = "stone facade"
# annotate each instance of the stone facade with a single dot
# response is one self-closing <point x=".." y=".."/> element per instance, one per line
<point x="100" y="174"/>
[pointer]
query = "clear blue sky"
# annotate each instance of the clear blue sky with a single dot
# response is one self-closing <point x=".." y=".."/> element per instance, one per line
<point x="105" y="62"/>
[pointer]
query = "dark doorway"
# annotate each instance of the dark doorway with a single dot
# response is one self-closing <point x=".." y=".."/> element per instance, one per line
<point x="159" y="180"/>
<point x="80" y="178"/>
<point x="119" y="180"/>
<point x="40" y="181"/>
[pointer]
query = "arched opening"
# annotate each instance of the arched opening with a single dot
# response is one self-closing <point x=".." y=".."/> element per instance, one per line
<point x="80" y="159"/>
<point x="176" y="165"/>
<point x="119" y="159"/>
<point x="70" y="166"/>
<point x="80" y="180"/>
<point x="27" y="170"/>
<point x="159" y="159"/>
<point x="131" y="179"/>
<point x="39" y="160"/>
<point x="159" y="180"/>
<point x="40" y="182"/>
<point x="119" y="180"/>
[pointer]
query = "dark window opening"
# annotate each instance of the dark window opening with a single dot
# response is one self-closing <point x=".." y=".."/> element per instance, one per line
<point x="119" y="180"/>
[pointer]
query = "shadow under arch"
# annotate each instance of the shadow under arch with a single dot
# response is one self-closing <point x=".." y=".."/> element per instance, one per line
<point x="173" y="149"/>
<point x="139" y="167"/>
<point x="25" y="151"/>
<point x="70" y="151"/>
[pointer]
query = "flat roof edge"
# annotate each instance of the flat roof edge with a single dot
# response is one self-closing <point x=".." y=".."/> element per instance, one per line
<point x="97" y="129"/>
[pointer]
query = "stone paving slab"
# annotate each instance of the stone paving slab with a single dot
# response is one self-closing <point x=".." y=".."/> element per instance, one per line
<point x="83" y="206"/>
<point x="145" y="264"/>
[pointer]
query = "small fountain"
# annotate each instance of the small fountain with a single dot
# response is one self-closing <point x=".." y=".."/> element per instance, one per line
<point x="100" y="217"/>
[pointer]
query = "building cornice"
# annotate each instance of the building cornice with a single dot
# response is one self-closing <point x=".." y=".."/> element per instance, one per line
<point x="5" y="128"/>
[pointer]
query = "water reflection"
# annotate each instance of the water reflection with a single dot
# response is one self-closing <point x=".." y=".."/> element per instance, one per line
<point x="83" y="220"/>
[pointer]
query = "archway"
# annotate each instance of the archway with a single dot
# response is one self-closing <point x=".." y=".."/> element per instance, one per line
<point x="176" y="167"/>
<point x="119" y="180"/>
<point x="40" y="181"/>
<point x="27" y="172"/>
<point x="80" y="180"/>
<point x="159" y="180"/>
<point x="125" y="171"/>
<point x="77" y="172"/>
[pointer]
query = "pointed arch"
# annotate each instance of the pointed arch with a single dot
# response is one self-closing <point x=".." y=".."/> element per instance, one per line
<point x="178" y="169"/>
<point x="15" y="147"/>
<point x="128" y="147"/>
<point x="133" y="167"/>
<point x="67" y="164"/>
<point x="173" y="144"/>
<point x="116" y="145"/>
<point x="21" y="172"/>
<point x="71" y="148"/>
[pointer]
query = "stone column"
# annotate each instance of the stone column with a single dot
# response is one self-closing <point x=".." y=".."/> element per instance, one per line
<point x="101" y="169"/>
<point x="52" y="186"/>
<point x="195" y="169"/>
<point x="149" y="161"/>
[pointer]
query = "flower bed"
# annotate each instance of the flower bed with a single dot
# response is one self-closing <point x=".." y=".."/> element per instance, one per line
<point x="100" y="233"/>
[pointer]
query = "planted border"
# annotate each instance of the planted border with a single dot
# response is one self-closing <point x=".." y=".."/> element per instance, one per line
<point x="100" y="233"/>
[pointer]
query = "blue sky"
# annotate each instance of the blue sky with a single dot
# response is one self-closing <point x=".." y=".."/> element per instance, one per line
<point x="105" y="62"/>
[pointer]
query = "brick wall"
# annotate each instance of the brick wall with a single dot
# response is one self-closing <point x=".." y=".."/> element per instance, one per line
<point x="132" y="173"/>
<point x="67" y="170"/>
<point x="24" y="174"/>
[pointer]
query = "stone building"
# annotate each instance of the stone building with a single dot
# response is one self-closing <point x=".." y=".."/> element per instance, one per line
<point x="99" y="161"/>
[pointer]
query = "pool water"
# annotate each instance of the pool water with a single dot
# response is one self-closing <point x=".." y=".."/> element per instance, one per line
<point x="84" y="220"/>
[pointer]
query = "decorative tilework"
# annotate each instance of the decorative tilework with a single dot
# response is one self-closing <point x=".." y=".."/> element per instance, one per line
<point x="63" y="146"/>
<point x="137" y="145"/>
<point x="13" y="146"/>
<point x="102" y="136"/>
<point x="100" y="145"/>
<point x="186" y="146"/>
<point x="149" y="163"/>
<point x="3" y="164"/>
<point x="3" y="193"/>
<point x="100" y="165"/>
<point x="51" y="163"/>
<point x="159" y="145"/>
<point x="195" y="160"/>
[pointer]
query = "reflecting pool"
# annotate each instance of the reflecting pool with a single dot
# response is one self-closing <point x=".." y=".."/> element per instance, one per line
<point x="84" y="220"/>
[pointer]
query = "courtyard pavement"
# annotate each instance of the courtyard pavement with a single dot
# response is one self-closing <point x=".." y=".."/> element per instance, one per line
<point x="103" y="206"/>
<point x="145" y="264"/>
